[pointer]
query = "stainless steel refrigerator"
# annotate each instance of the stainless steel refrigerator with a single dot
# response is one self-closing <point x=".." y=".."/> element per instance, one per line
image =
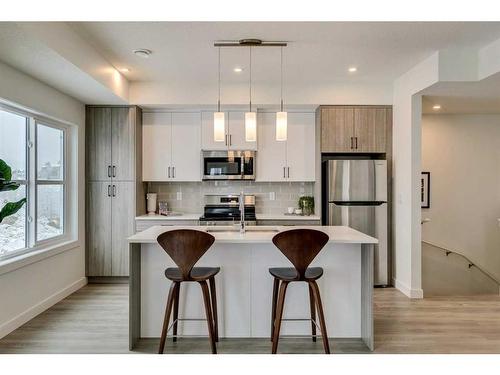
<point x="355" y="194"/>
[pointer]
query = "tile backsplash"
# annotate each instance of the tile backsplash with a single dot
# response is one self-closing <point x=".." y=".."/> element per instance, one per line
<point x="188" y="197"/>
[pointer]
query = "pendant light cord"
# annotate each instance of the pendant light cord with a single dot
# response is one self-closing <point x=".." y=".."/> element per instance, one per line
<point x="218" y="100"/>
<point x="281" y="90"/>
<point x="250" y="54"/>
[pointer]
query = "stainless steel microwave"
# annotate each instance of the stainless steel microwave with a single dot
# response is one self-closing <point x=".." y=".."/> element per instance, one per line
<point x="228" y="165"/>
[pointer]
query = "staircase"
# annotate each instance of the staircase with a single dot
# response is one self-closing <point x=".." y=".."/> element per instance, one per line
<point x="448" y="273"/>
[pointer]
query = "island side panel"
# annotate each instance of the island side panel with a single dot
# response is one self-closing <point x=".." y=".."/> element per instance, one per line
<point x="134" y="294"/>
<point x="367" y="278"/>
<point x="244" y="289"/>
<point x="340" y="289"/>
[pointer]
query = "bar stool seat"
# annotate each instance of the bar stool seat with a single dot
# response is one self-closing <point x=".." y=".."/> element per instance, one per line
<point x="291" y="274"/>
<point x="197" y="273"/>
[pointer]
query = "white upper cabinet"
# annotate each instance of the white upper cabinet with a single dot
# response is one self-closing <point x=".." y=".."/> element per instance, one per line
<point x="290" y="160"/>
<point x="207" y="132"/>
<point x="234" y="132"/>
<point x="171" y="146"/>
<point x="271" y="154"/>
<point x="186" y="146"/>
<point x="300" y="146"/>
<point x="156" y="145"/>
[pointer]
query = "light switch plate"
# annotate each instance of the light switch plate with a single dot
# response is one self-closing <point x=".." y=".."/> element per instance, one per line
<point x="272" y="196"/>
<point x="179" y="195"/>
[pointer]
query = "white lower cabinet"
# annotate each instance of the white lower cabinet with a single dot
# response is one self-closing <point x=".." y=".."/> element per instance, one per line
<point x="171" y="146"/>
<point x="290" y="160"/>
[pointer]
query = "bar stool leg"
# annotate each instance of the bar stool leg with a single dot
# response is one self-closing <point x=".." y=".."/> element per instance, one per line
<point x="176" y="310"/>
<point x="208" y="311"/>
<point x="279" y="315"/>
<point x="313" y="313"/>
<point x="214" y="308"/>
<point x="319" y="306"/>
<point x="275" y="300"/>
<point x="168" y="310"/>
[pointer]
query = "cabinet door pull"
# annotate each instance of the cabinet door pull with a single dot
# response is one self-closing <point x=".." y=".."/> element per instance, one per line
<point x="284" y="173"/>
<point x="288" y="171"/>
<point x="168" y="172"/>
<point x="109" y="170"/>
<point x="114" y="190"/>
<point x="352" y="143"/>
<point x="225" y="139"/>
<point x="356" y="139"/>
<point x="173" y="172"/>
<point x="230" y="139"/>
<point x="109" y="191"/>
<point x="114" y="170"/>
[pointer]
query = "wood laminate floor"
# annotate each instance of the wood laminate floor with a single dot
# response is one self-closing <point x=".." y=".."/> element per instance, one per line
<point x="94" y="320"/>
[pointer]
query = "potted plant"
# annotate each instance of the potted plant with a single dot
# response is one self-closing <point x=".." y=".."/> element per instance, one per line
<point x="6" y="184"/>
<point x="306" y="204"/>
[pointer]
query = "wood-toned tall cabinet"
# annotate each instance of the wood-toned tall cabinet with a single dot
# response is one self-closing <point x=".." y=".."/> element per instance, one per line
<point x="114" y="186"/>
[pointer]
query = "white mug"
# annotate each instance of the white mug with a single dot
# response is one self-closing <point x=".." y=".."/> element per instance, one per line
<point x="290" y="210"/>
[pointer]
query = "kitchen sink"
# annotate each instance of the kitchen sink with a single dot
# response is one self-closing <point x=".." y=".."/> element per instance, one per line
<point x="247" y="229"/>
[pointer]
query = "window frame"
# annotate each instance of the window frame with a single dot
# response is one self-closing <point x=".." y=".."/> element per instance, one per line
<point x="31" y="183"/>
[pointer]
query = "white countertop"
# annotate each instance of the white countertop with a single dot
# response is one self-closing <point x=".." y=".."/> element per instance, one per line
<point x="337" y="234"/>
<point x="259" y="217"/>
<point x="287" y="217"/>
<point x="173" y="217"/>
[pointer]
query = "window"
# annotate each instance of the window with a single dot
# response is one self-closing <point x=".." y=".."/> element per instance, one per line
<point x="35" y="149"/>
<point x="49" y="182"/>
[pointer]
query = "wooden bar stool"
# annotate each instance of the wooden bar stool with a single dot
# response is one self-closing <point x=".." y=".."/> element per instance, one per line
<point x="300" y="246"/>
<point x="186" y="247"/>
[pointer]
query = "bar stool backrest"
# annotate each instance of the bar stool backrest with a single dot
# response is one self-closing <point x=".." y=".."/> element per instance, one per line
<point x="185" y="247"/>
<point x="300" y="246"/>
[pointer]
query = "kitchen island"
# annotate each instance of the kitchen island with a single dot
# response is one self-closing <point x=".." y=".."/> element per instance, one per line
<point x="244" y="285"/>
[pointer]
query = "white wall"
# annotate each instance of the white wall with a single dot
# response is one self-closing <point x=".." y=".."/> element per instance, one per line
<point x="462" y="152"/>
<point x="26" y="289"/>
<point x="160" y="93"/>
<point x="407" y="111"/>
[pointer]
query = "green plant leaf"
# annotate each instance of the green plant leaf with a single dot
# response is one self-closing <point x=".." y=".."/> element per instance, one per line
<point x="5" y="171"/>
<point x="8" y="186"/>
<point x="11" y="208"/>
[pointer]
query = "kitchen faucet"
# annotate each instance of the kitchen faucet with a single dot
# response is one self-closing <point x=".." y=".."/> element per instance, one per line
<point x="242" y="212"/>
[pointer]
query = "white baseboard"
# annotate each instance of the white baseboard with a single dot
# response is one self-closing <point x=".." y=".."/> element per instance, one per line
<point x="40" y="307"/>
<point x="407" y="291"/>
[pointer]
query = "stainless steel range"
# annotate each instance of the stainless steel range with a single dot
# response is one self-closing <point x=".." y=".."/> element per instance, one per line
<point x="225" y="210"/>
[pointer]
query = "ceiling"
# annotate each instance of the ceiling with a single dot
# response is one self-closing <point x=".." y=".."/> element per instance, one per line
<point x="317" y="57"/>
<point x="29" y="55"/>
<point x="463" y="97"/>
<point x="317" y="51"/>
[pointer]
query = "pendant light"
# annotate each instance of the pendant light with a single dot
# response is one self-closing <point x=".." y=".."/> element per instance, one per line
<point x="250" y="117"/>
<point x="281" y="116"/>
<point x="219" y="122"/>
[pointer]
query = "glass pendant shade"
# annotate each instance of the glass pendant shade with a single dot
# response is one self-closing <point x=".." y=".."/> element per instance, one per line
<point x="251" y="126"/>
<point x="219" y="128"/>
<point x="281" y="126"/>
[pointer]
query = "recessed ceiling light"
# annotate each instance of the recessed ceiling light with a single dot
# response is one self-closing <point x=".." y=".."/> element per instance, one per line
<point x="238" y="69"/>
<point x="144" y="53"/>
<point x="436" y="107"/>
<point x="353" y="69"/>
<point x="124" y="70"/>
